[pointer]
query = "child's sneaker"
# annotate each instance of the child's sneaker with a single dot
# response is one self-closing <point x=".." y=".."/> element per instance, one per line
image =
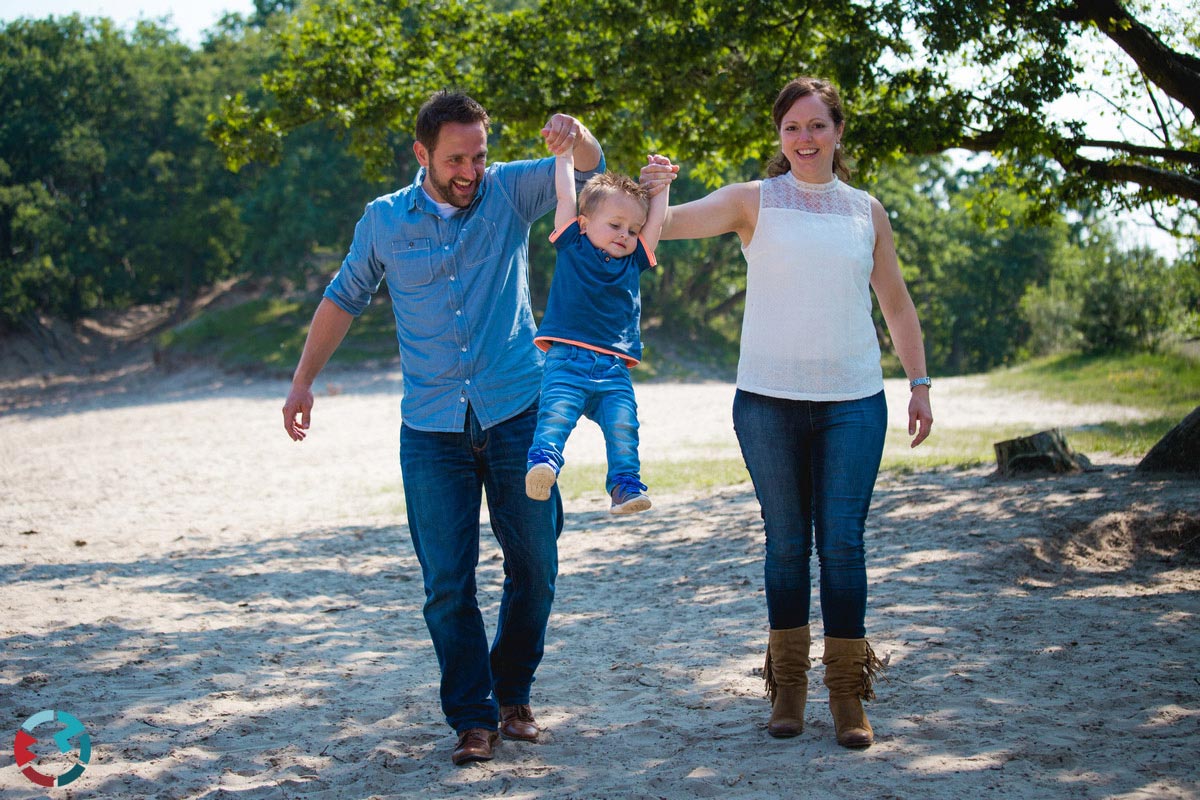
<point x="538" y="481"/>
<point x="628" y="500"/>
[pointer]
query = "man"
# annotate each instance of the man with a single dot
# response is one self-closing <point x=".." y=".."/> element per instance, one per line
<point x="453" y="247"/>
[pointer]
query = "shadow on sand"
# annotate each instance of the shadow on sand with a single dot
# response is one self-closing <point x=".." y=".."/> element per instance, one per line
<point x="299" y="666"/>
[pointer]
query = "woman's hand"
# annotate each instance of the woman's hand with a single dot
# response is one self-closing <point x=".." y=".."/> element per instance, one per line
<point x="658" y="173"/>
<point x="920" y="415"/>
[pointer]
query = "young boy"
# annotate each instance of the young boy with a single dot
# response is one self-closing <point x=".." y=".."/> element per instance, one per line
<point x="591" y="327"/>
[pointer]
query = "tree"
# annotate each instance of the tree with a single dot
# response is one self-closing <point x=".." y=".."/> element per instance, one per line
<point x="103" y="194"/>
<point x="1136" y="57"/>
<point x="315" y="192"/>
<point x="965" y="262"/>
<point x="696" y="80"/>
<point x="110" y="191"/>
<point x="1104" y="299"/>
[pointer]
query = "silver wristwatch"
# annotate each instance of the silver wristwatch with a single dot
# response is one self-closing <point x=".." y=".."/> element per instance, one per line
<point x="915" y="382"/>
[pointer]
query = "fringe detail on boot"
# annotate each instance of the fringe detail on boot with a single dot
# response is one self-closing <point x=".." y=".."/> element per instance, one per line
<point x="872" y="671"/>
<point x="769" y="676"/>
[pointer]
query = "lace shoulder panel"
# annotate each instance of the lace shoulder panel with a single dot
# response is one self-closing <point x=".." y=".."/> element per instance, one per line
<point x="784" y="191"/>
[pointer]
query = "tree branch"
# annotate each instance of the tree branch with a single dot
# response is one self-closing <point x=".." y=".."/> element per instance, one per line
<point x="1172" y="183"/>
<point x="1165" y="153"/>
<point x="723" y="306"/>
<point x="1162" y="180"/>
<point x="1177" y="74"/>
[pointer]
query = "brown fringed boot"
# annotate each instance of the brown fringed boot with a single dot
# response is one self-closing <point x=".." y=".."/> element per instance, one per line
<point x="850" y="670"/>
<point x="786" y="676"/>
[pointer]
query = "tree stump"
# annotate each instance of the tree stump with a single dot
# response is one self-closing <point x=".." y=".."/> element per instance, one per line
<point x="1178" y="450"/>
<point x="1046" y="451"/>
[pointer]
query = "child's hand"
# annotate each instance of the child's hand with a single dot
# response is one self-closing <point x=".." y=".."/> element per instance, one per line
<point x="658" y="173"/>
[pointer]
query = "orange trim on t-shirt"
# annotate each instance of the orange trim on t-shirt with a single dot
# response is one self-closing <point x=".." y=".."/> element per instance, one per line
<point x="649" y="252"/>
<point x="544" y="343"/>
<point x="559" y="232"/>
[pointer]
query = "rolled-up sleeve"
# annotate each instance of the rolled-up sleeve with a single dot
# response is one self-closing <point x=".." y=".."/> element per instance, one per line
<point x="529" y="185"/>
<point x="361" y="271"/>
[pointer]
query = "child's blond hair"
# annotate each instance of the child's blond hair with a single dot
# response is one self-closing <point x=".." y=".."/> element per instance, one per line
<point x="607" y="184"/>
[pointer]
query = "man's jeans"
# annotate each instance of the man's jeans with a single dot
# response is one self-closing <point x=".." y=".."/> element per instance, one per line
<point x="813" y="464"/>
<point x="581" y="382"/>
<point x="444" y="477"/>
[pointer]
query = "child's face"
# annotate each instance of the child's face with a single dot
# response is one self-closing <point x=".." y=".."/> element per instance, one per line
<point x="614" y="225"/>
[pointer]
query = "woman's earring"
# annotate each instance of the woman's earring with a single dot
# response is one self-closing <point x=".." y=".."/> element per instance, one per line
<point x="838" y="146"/>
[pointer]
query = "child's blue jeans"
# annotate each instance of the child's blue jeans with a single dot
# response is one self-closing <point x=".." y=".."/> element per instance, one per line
<point x="581" y="382"/>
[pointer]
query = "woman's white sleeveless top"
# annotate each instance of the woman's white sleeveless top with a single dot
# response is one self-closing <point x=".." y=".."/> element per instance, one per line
<point x="807" y="332"/>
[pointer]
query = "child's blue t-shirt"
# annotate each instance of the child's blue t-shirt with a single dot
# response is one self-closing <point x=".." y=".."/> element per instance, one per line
<point x="595" y="299"/>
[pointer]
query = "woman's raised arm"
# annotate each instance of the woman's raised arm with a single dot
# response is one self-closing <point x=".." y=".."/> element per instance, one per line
<point x="730" y="209"/>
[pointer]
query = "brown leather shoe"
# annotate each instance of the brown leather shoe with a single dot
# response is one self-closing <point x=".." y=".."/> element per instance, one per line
<point x="516" y="722"/>
<point x="474" y="745"/>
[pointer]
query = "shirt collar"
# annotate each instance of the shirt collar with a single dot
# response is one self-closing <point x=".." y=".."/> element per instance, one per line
<point x="418" y="200"/>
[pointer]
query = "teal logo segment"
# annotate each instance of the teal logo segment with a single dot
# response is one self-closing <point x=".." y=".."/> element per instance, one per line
<point x="73" y="729"/>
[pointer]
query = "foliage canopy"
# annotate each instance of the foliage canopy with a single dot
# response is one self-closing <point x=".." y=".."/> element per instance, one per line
<point x="110" y="191"/>
<point x="696" y="80"/>
<point x="111" y="194"/>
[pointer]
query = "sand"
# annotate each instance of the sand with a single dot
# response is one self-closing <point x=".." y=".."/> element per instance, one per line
<point x="231" y="614"/>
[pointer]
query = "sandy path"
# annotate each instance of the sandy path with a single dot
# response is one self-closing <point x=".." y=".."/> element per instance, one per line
<point x="234" y="615"/>
<point x="196" y="453"/>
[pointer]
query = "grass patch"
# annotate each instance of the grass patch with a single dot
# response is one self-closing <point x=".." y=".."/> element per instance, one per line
<point x="1165" y="383"/>
<point x="663" y="477"/>
<point x="1120" y="438"/>
<point x="972" y="447"/>
<point x="266" y="335"/>
<point x="953" y="447"/>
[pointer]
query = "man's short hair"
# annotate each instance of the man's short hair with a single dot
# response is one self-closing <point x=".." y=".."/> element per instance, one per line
<point x="607" y="184"/>
<point x="446" y="106"/>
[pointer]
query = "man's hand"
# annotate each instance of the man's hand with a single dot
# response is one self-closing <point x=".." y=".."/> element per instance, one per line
<point x="564" y="132"/>
<point x="561" y="133"/>
<point x="299" y="403"/>
<point x="658" y="173"/>
<point x="565" y="149"/>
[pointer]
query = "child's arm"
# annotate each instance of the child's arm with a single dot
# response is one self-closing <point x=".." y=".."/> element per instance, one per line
<point x="659" y="199"/>
<point x="564" y="187"/>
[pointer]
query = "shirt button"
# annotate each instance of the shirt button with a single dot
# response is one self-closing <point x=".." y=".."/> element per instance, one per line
<point x="464" y="349"/>
<point x="451" y="277"/>
<point x="446" y="247"/>
<point x="458" y="313"/>
<point x="462" y="399"/>
<point x="468" y="381"/>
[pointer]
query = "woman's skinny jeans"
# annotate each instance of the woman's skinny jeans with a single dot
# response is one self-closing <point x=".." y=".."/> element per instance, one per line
<point x="814" y="466"/>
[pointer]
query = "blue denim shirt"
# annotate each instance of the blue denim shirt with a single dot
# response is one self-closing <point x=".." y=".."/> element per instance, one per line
<point x="460" y="293"/>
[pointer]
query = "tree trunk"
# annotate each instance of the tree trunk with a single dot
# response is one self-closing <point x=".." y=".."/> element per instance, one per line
<point x="1178" y="450"/>
<point x="1046" y="451"/>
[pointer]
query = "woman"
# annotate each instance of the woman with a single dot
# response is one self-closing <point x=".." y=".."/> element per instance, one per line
<point x="809" y="411"/>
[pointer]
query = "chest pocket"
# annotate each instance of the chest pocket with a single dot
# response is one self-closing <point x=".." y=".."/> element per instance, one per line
<point x="411" y="264"/>
<point x="480" y="242"/>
